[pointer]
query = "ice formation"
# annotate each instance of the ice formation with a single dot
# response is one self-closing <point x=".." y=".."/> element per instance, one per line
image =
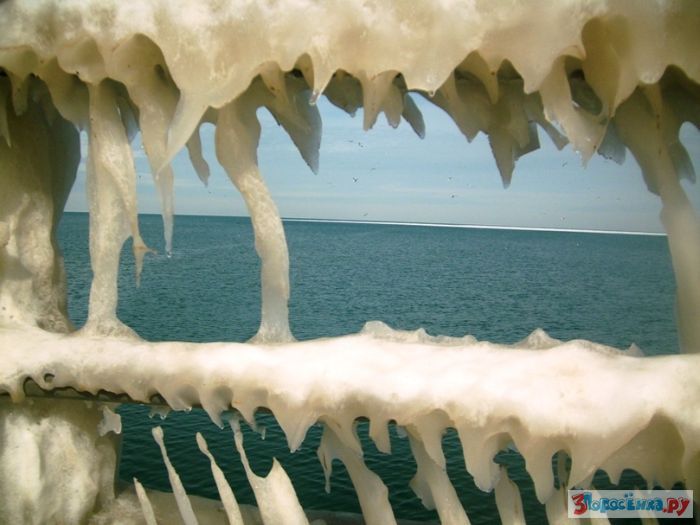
<point x="605" y="76"/>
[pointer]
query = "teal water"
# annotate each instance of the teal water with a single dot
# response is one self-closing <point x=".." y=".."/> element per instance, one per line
<point x="494" y="284"/>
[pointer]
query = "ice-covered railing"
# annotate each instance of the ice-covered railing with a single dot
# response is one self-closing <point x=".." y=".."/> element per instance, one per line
<point x="604" y="76"/>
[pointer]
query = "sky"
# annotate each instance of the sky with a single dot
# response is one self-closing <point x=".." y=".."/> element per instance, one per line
<point x="389" y="174"/>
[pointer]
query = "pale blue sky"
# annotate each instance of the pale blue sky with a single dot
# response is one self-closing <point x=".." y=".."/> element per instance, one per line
<point x="440" y="179"/>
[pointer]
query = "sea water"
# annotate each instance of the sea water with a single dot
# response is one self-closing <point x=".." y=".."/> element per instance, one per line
<point x="497" y="285"/>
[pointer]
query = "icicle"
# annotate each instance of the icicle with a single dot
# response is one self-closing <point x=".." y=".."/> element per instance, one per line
<point x="155" y="149"/>
<point x="584" y="131"/>
<point x="345" y="92"/>
<point x="377" y="93"/>
<point x="183" y="502"/>
<point x="466" y="103"/>
<point x="294" y="423"/>
<point x="139" y="64"/>
<point x="429" y="428"/>
<point x="68" y="94"/>
<point x="274" y="79"/>
<point x="475" y="65"/>
<point x="128" y="114"/>
<point x="233" y="512"/>
<point x="612" y="147"/>
<point x="535" y="113"/>
<point x="200" y="165"/>
<point x="413" y="115"/>
<point x="291" y="107"/>
<point x="318" y="70"/>
<point x="432" y="485"/>
<point x="393" y="106"/>
<point x="306" y="66"/>
<point x="146" y="507"/>
<point x="478" y="456"/>
<point x="371" y="491"/>
<point x="538" y="462"/>
<point x="379" y="432"/>
<point x="344" y="426"/>
<point x="160" y="411"/>
<point x="508" y="501"/>
<point x="237" y="135"/>
<point x="164" y="183"/>
<point x="188" y="113"/>
<point x="511" y="135"/>
<point x="274" y="494"/>
<point x="612" y="79"/>
<point x="322" y="77"/>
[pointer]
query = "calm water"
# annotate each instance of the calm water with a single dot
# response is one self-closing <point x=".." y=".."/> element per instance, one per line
<point x="494" y="284"/>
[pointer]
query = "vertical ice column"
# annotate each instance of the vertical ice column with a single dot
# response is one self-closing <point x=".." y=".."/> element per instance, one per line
<point x="648" y="126"/>
<point x="371" y="490"/>
<point x="233" y="512"/>
<point x="111" y="188"/>
<point x="432" y="485"/>
<point x="146" y="507"/>
<point x="237" y="135"/>
<point x="508" y="501"/>
<point x="39" y="155"/>
<point x="181" y="499"/>
<point x="274" y="493"/>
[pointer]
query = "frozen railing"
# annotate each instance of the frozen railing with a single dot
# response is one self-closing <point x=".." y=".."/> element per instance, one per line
<point x="605" y="77"/>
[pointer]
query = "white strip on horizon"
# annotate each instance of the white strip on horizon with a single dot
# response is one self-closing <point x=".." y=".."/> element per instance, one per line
<point x="474" y="226"/>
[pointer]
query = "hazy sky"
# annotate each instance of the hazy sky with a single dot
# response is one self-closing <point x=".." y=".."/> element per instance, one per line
<point x="440" y="179"/>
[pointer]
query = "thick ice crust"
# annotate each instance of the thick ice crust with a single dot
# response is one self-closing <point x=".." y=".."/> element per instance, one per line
<point x="212" y="51"/>
<point x="543" y="395"/>
<point x="55" y="467"/>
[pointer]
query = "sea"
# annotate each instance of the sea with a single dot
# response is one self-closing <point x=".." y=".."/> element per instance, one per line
<point x="495" y="284"/>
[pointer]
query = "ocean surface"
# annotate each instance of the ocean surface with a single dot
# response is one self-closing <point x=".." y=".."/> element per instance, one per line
<point x="497" y="285"/>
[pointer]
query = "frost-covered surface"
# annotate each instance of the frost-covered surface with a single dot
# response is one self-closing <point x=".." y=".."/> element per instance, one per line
<point x="604" y="76"/>
<point x="54" y="466"/>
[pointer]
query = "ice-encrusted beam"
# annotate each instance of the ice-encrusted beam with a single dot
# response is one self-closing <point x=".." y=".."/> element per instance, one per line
<point x="543" y="395"/>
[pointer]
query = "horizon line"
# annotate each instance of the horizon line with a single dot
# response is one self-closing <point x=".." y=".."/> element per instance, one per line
<point x="427" y="224"/>
<point x="475" y="226"/>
